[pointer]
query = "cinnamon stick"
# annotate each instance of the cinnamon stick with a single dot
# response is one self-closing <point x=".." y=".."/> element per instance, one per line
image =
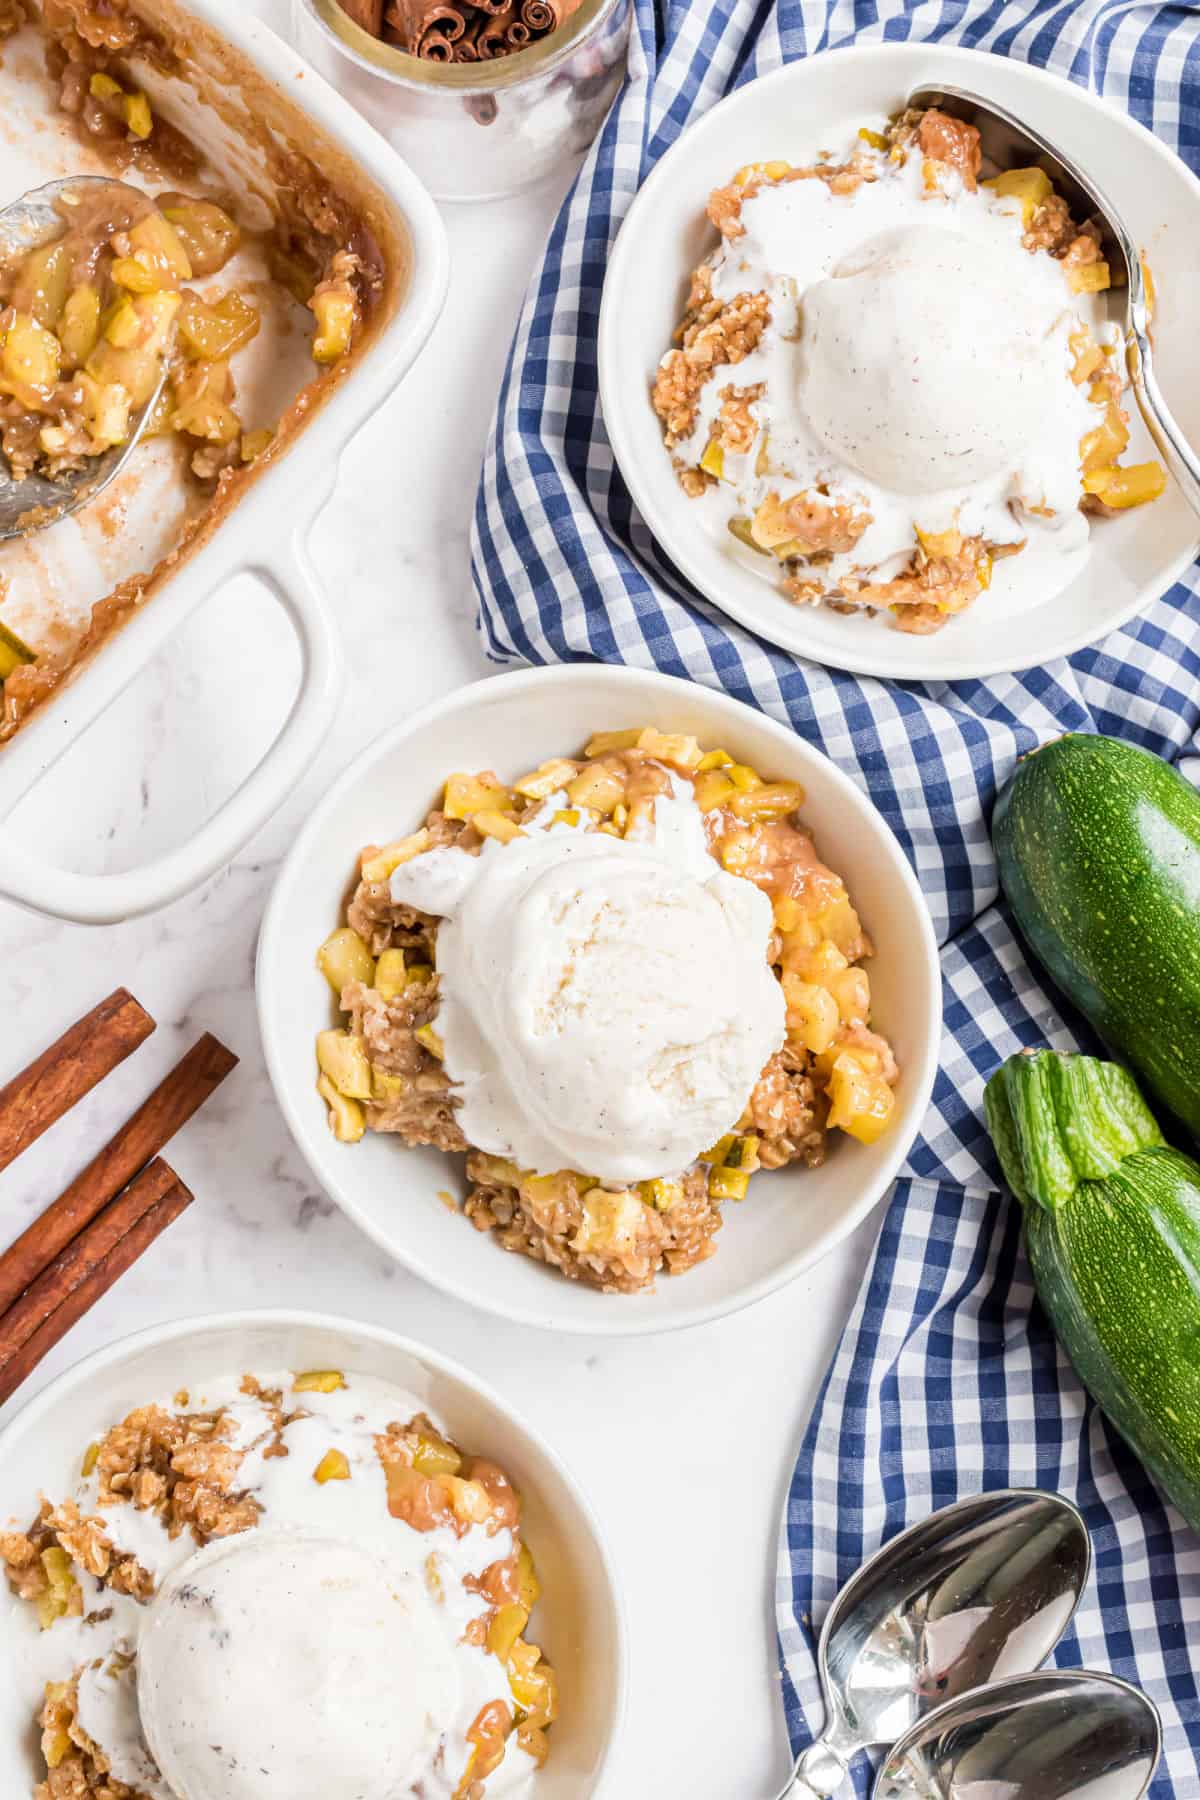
<point x="43" y="1093"/>
<point x="96" y="1280"/>
<point x="367" y="14"/>
<point x="72" y="1266"/>
<point x="155" y="1122"/>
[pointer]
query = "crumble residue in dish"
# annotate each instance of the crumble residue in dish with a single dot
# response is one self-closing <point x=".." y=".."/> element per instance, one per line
<point x="893" y="374"/>
<point x="310" y="1563"/>
<point x="615" y="1034"/>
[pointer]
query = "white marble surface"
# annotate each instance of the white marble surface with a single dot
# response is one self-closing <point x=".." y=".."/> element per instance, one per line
<point x="685" y="1443"/>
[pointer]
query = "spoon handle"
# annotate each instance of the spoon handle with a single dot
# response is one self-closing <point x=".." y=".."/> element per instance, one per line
<point x="1169" y="440"/>
<point x="819" y="1771"/>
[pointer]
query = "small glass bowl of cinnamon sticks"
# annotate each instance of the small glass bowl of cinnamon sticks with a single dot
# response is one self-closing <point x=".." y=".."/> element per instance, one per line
<point x="481" y="97"/>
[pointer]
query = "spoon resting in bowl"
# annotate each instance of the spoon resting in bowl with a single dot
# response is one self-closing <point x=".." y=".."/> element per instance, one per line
<point x="1008" y="142"/>
<point x="37" y="500"/>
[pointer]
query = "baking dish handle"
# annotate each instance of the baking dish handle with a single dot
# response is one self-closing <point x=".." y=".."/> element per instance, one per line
<point x="106" y="899"/>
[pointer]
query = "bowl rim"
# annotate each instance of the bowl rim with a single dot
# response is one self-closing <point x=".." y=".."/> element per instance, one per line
<point x="60" y="1389"/>
<point x="616" y="402"/>
<point x="615" y="1323"/>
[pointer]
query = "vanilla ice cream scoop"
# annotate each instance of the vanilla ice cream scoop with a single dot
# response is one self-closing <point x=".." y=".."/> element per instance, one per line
<point x="929" y="357"/>
<point x="279" y="1663"/>
<point x="606" y="1005"/>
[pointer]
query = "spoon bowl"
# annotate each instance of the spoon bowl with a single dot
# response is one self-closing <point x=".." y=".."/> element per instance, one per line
<point x="1068" y="1734"/>
<point x="981" y="1590"/>
<point x="39" y="500"/>
<point x="1007" y="143"/>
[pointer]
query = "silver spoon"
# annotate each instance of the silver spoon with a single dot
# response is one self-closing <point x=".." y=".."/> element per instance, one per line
<point x="1009" y="143"/>
<point x="1069" y="1734"/>
<point x="28" y="223"/>
<point x="982" y="1589"/>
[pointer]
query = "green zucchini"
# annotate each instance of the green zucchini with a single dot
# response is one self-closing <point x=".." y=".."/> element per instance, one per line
<point x="1112" y="1227"/>
<point x="1098" y="845"/>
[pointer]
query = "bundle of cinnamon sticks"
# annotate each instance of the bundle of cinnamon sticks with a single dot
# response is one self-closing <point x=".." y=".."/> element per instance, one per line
<point x="126" y="1196"/>
<point x="460" y="30"/>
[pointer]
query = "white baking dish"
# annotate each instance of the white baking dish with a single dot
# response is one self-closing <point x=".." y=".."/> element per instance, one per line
<point x="266" y="533"/>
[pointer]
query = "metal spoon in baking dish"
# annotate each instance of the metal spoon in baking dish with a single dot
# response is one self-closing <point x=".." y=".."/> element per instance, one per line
<point x="37" y="501"/>
<point x="982" y="1589"/>
<point x="1070" y="1734"/>
<point x="1008" y="143"/>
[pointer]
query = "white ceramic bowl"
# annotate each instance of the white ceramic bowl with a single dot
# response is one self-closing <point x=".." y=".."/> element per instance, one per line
<point x="1135" y="558"/>
<point x="510" y="723"/>
<point x="580" y="1617"/>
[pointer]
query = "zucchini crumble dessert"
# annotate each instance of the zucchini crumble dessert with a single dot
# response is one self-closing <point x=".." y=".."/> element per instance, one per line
<point x="891" y="374"/>
<point x="620" y="986"/>
<point x="287" y="1588"/>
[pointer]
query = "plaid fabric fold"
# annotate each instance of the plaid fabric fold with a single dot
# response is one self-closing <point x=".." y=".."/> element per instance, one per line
<point x="947" y="1378"/>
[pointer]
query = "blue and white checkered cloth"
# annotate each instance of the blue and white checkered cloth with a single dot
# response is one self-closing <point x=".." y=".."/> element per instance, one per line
<point x="947" y="1379"/>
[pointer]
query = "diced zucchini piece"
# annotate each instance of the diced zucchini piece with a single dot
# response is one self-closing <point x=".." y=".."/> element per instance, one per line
<point x="215" y="331"/>
<point x="713" y="460"/>
<point x="208" y="234"/>
<point x="470" y="1499"/>
<point x="770" y="800"/>
<point x="344" y="957"/>
<point x="496" y="825"/>
<point x="336" y="313"/>
<point x="743" y="777"/>
<point x="79" y="324"/>
<point x="528" y="1585"/>
<point x="333" y="1466"/>
<point x="391" y="974"/>
<point x="813" y="1019"/>
<point x="719" y="1151"/>
<point x="1031" y="188"/>
<point x="344" y="1059"/>
<point x="761" y="171"/>
<point x="106" y="409"/>
<point x="54" y="1602"/>
<point x="378" y="865"/>
<point x="506" y="1627"/>
<point x="385" y="1086"/>
<point x="319" y="1381"/>
<point x="1131" y="486"/>
<point x="546" y="779"/>
<point x="861" y="1102"/>
<point x="603" y="742"/>
<point x="29" y="354"/>
<point x="13" y="652"/>
<point x="41" y="282"/>
<point x="713" y="789"/>
<point x="728" y="1184"/>
<point x="743" y="1153"/>
<point x="601" y="790"/>
<point x="661" y="1194"/>
<point x="469" y="794"/>
<point x="851" y="989"/>
<point x="255" y="442"/>
<point x="434" y="1456"/>
<point x="1101" y="447"/>
<point x="346" y="1118"/>
<point x="670" y="747"/>
<point x="1089" y="278"/>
